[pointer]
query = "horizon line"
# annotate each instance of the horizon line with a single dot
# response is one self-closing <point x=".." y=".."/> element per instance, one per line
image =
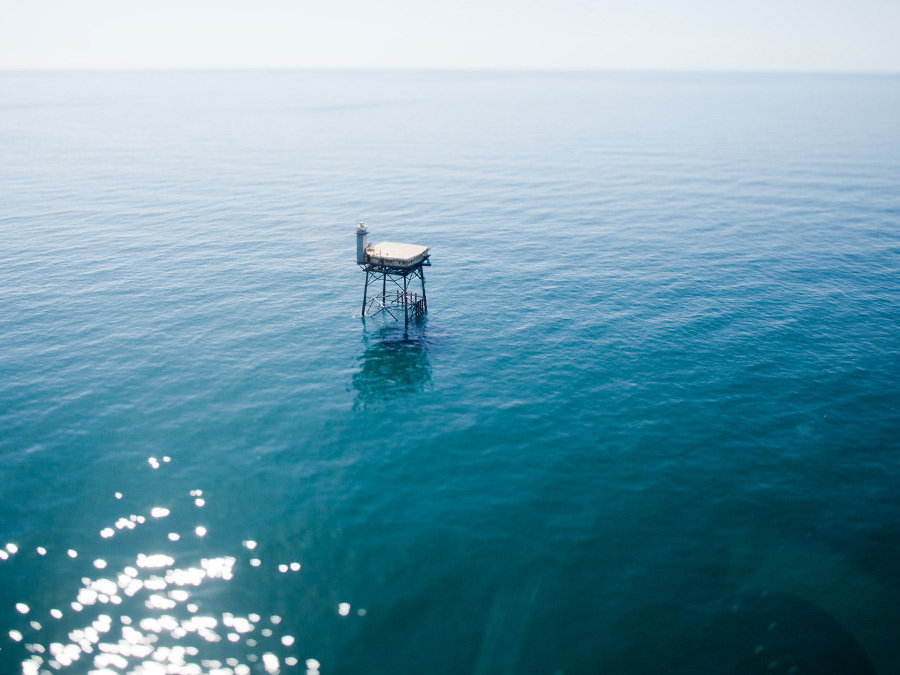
<point x="436" y="69"/>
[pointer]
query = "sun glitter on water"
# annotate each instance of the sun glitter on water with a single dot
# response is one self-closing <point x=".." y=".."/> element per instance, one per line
<point x="145" y="617"/>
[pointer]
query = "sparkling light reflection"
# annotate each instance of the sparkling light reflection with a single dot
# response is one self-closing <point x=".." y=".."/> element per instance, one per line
<point x="174" y="624"/>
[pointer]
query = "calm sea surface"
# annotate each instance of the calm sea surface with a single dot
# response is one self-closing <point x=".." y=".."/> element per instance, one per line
<point x="651" y="422"/>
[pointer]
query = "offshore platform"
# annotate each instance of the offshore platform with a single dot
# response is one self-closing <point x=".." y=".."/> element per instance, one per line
<point x="398" y="264"/>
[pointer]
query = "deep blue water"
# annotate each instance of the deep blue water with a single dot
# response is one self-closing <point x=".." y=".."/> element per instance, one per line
<point x="650" y="423"/>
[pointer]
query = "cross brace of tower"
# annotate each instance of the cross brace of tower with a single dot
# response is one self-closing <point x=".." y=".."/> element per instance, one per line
<point x="396" y="297"/>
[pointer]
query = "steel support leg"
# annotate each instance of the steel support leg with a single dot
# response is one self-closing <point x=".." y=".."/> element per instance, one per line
<point x="405" y="304"/>
<point x="365" y="291"/>
<point x="424" y="299"/>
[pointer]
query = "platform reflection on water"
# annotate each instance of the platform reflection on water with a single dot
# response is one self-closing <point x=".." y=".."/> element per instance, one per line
<point x="394" y="363"/>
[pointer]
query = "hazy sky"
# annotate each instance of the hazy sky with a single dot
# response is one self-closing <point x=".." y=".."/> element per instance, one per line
<point x="821" y="35"/>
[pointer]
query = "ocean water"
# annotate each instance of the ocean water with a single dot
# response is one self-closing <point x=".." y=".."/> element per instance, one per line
<point x="650" y="423"/>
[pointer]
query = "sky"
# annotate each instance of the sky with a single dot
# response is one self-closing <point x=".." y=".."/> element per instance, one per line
<point x="691" y="35"/>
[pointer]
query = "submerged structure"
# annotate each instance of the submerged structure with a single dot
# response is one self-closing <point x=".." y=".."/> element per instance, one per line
<point x="395" y="265"/>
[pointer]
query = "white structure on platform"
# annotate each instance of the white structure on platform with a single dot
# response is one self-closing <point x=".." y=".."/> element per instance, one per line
<point x="387" y="253"/>
<point x="392" y="254"/>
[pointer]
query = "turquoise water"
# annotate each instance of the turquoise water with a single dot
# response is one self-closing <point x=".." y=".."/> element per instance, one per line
<point x="650" y="422"/>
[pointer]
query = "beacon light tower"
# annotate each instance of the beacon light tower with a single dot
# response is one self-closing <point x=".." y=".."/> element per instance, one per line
<point x="397" y="263"/>
<point x="362" y="236"/>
